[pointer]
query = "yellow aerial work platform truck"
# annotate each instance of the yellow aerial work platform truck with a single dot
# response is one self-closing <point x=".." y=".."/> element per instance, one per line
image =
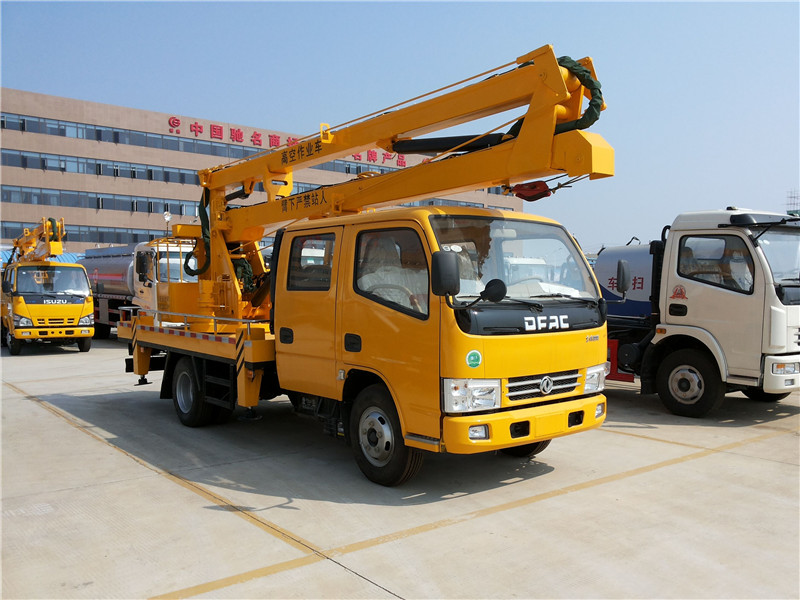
<point x="404" y="330"/>
<point x="44" y="300"/>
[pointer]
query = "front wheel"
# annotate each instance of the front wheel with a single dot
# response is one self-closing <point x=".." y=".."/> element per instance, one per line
<point x="689" y="383"/>
<point x="526" y="450"/>
<point x="190" y="405"/>
<point x="377" y="439"/>
<point x="14" y="345"/>
<point x="84" y="344"/>
<point x="761" y="396"/>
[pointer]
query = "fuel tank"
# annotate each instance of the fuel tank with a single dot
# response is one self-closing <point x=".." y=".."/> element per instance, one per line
<point x="113" y="267"/>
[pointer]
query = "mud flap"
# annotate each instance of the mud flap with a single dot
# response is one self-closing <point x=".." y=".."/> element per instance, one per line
<point x="248" y="380"/>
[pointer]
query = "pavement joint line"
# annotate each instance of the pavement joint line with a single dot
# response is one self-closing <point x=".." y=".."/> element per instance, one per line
<point x="211" y="586"/>
<point x="649" y="438"/>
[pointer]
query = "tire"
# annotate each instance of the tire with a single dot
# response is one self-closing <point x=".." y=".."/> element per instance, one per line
<point x="377" y="439"/>
<point x="526" y="451"/>
<point x="101" y="331"/>
<point x="760" y="395"/>
<point x="190" y="406"/>
<point x="84" y="344"/>
<point x="14" y="345"/>
<point x="689" y="383"/>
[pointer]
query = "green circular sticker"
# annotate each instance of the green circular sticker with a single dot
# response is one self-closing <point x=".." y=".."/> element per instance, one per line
<point x="474" y="358"/>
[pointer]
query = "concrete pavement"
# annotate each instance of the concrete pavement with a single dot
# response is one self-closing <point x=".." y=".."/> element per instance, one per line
<point x="106" y="495"/>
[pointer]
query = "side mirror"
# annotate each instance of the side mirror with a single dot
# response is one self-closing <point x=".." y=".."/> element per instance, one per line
<point x="141" y="266"/>
<point x="7" y="287"/>
<point x="494" y="291"/>
<point x="445" y="280"/>
<point x="100" y="288"/>
<point x="623" y="277"/>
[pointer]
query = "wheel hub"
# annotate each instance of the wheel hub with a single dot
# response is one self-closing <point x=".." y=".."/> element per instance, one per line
<point x="183" y="392"/>
<point x="686" y="385"/>
<point x="375" y="437"/>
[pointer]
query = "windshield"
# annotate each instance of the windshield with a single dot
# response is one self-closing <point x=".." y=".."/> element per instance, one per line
<point x="170" y="266"/>
<point x="535" y="260"/>
<point x="52" y="279"/>
<point x="781" y="246"/>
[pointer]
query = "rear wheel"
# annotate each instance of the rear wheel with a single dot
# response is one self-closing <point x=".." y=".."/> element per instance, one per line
<point x="689" y="383"/>
<point x="190" y="405"/>
<point x="761" y="396"/>
<point x="527" y="450"/>
<point x="84" y="344"/>
<point x="377" y="439"/>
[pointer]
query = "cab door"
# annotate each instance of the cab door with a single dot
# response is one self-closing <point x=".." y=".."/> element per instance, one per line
<point x="389" y="322"/>
<point x="715" y="285"/>
<point x="305" y="311"/>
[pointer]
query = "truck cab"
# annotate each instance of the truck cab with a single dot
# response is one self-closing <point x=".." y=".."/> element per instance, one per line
<point x="45" y="301"/>
<point x="366" y="313"/>
<point x="724" y="310"/>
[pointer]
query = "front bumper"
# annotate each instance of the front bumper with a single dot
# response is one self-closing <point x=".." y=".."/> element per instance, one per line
<point x="780" y="384"/>
<point x="53" y="333"/>
<point x="508" y="428"/>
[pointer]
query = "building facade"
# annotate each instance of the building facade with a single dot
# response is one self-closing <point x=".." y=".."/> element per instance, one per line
<point x="119" y="175"/>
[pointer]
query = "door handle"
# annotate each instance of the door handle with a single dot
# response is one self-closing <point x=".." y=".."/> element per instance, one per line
<point x="678" y="310"/>
<point x="352" y="342"/>
<point x="286" y="335"/>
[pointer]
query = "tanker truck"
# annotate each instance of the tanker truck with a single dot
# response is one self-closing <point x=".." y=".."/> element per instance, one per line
<point x="118" y="280"/>
<point x="712" y="307"/>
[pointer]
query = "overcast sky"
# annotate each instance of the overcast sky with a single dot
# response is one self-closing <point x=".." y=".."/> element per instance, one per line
<point x="702" y="97"/>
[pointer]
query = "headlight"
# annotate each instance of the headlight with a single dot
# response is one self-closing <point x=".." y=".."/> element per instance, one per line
<point x="20" y="321"/>
<point x="87" y="320"/>
<point x="466" y="395"/>
<point x="785" y="368"/>
<point x="595" y="378"/>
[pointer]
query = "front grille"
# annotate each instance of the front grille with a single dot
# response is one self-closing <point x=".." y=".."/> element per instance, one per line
<point x="529" y="386"/>
<point x="59" y="322"/>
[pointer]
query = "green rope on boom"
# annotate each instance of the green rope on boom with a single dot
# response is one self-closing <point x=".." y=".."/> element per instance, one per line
<point x="204" y="228"/>
<point x="244" y="272"/>
<point x="53" y="229"/>
<point x="592" y="112"/>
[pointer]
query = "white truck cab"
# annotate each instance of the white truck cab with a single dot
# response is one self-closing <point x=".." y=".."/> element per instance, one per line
<point x="724" y="310"/>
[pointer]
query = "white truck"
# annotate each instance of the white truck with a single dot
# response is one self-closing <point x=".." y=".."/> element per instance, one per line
<point x="117" y="282"/>
<point x="713" y="307"/>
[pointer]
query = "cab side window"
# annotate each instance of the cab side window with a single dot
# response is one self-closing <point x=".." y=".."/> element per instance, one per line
<point x="310" y="262"/>
<point x="391" y="269"/>
<point x="719" y="260"/>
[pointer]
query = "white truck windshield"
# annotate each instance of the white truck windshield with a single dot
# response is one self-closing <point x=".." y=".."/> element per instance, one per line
<point x="781" y="247"/>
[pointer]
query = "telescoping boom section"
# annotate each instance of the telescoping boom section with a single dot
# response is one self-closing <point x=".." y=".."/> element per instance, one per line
<point x="408" y="329"/>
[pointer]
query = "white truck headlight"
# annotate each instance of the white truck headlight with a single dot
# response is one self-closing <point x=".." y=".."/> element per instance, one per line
<point x="596" y="378"/>
<point x="20" y="321"/>
<point x="87" y="320"/>
<point x="786" y="368"/>
<point x="467" y="395"/>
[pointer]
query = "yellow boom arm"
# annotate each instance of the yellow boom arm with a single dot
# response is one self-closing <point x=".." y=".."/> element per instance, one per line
<point x="40" y="243"/>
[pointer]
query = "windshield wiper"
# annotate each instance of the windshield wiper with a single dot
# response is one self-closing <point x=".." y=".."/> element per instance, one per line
<point x="537" y="305"/>
<point x="590" y="301"/>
